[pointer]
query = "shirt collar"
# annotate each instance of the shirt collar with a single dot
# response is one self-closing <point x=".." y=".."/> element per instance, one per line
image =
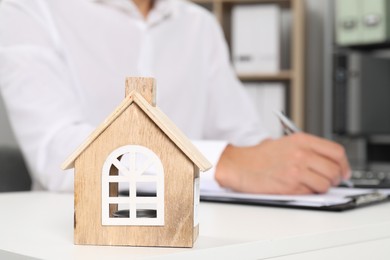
<point x="161" y="10"/>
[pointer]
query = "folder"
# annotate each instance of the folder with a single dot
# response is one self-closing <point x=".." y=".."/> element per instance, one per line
<point x="348" y="25"/>
<point x="337" y="199"/>
<point x="362" y="22"/>
<point x="256" y="38"/>
<point x="375" y="19"/>
<point x="361" y="94"/>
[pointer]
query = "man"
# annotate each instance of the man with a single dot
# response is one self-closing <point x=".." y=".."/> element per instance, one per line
<point x="62" y="71"/>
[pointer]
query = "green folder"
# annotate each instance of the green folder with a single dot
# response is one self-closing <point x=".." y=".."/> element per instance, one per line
<point x="375" y="20"/>
<point x="348" y="25"/>
<point x="360" y="22"/>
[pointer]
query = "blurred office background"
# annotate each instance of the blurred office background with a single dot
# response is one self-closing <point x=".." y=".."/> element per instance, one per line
<point x="316" y="15"/>
<point x="333" y="56"/>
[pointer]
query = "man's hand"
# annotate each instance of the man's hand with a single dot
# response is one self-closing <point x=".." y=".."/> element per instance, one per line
<point x="295" y="164"/>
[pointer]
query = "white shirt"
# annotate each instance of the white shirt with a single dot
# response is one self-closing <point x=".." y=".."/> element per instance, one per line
<point x="63" y="66"/>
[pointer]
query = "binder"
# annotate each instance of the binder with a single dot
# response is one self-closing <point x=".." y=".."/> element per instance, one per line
<point x="348" y="25"/>
<point x="375" y="19"/>
<point x="256" y="38"/>
<point x="361" y="94"/>
<point x="337" y="199"/>
<point x="362" y="22"/>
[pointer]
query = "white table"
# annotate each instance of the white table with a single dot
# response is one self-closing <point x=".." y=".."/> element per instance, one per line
<point x="40" y="225"/>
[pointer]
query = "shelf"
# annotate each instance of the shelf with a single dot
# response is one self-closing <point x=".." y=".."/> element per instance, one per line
<point x="280" y="76"/>
<point x="294" y="75"/>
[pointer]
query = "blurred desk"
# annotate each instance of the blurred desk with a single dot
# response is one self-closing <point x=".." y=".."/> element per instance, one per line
<point x="40" y="225"/>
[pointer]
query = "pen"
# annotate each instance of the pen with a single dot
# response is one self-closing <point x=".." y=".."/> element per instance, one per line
<point x="289" y="128"/>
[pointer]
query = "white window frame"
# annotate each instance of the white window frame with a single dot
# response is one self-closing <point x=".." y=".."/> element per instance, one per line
<point x="132" y="176"/>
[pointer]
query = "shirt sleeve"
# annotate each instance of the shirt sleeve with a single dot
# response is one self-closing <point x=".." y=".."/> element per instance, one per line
<point x="212" y="150"/>
<point x="231" y="113"/>
<point x="40" y="97"/>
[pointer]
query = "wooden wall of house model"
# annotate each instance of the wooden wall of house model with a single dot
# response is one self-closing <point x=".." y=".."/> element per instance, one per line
<point x="137" y="145"/>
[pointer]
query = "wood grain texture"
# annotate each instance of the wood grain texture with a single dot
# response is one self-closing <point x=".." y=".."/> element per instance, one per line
<point x="145" y="86"/>
<point x="133" y="126"/>
<point x="298" y="63"/>
<point x="137" y="122"/>
<point x="113" y="190"/>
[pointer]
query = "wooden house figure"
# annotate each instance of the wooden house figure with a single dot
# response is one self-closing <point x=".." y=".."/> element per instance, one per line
<point x="137" y="145"/>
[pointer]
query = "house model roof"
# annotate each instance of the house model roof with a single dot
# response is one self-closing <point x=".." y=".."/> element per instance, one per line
<point x="159" y="118"/>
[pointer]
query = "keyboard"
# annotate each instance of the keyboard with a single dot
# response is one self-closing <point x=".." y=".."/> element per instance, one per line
<point x="373" y="179"/>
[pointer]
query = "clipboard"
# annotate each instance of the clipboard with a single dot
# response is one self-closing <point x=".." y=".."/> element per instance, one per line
<point x="337" y="199"/>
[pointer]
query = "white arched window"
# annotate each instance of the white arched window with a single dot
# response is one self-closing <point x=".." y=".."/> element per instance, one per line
<point x="132" y="168"/>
